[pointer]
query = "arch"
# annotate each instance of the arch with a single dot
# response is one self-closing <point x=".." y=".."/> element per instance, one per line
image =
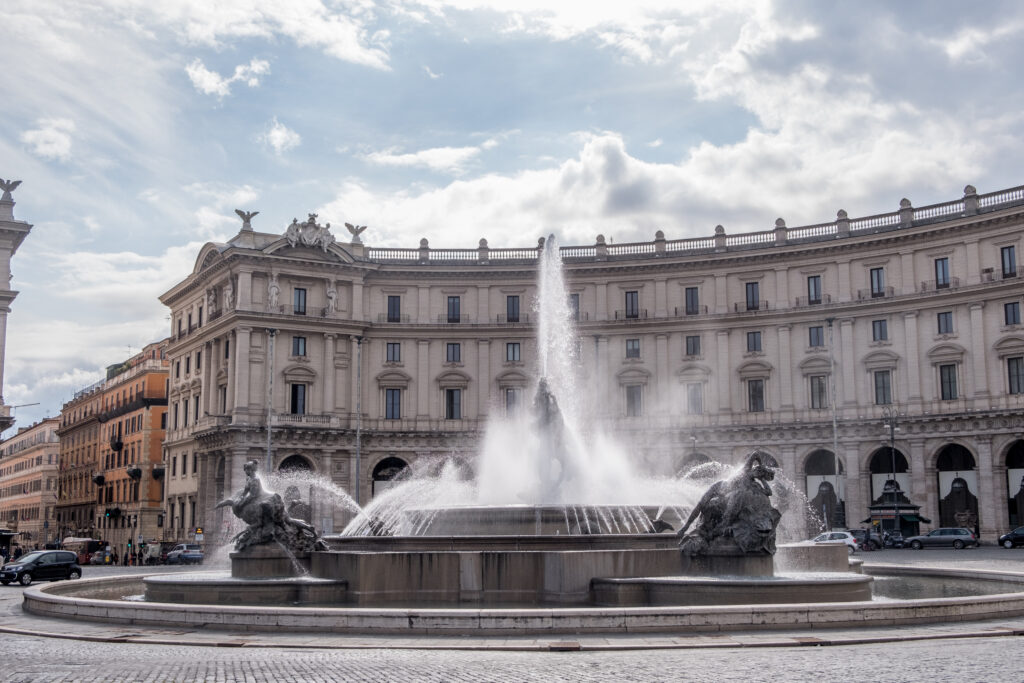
<point x="946" y="353"/>
<point x="1009" y="346"/>
<point x="882" y="470"/>
<point x="693" y="372"/>
<point x="815" y="365"/>
<point x="512" y="378"/>
<point x="453" y="379"/>
<point x="880" y="360"/>
<point x="393" y="379"/>
<point x="631" y="376"/>
<point x="334" y="252"/>
<point x="754" y="368"/>
<point x="208" y="255"/>
<point x="820" y="486"/>
<point x="299" y="374"/>
<point x="295" y="463"/>
<point x="387" y="473"/>
<point x="1015" y="483"/>
<point x="957" y="483"/>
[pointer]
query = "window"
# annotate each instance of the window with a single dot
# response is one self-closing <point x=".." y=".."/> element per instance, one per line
<point x="512" y="399"/>
<point x="693" y="345"/>
<point x="454" y="305"/>
<point x="753" y="342"/>
<point x="190" y="321"/>
<point x="574" y="306"/>
<point x="512" y="308"/>
<point x="184" y="415"/>
<point x="883" y="387"/>
<point x="453" y="404"/>
<point x="392" y="404"/>
<point x="692" y="301"/>
<point x="298" y="346"/>
<point x="814" y="289"/>
<point x="177" y="369"/>
<point x="454" y="353"/>
<point x="632" y="348"/>
<point x="1008" y="255"/>
<point x="188" y="364"/>
<point x="755" y="395"/>
<point x="634" y="400"/>
<point x="632" y="304"/>
<point x="1011" y="313"/>
<point x="947" y="382"/>
<point x="877" y="282"/>
<point x="394" y="309"/>
<point x="227" y="348"/>
<point x="819" y="392"/>
<point x="195" y="405"/>
<point x="174" y="466"/>
<point x="879" y="330"/>
<point x="753" y="296"/>
<point x="299" y="301"/>
<point x="941" y="273"/>
<point x="512" y="352"/>
<point x="694" y="398"/>
<point x="200" y="323"/>
<point x="199" y="361"/>
<point x="945" y="320"/>
<point x="223" y="397"/>
<point x="394" y="352"/>
<point x="1015" y="371"/>
<point x="816" y="335"/>
<point x="298" y="400"/>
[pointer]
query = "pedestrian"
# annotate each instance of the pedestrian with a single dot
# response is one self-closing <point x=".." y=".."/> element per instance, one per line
<point x="114" y="558"/>
<point x="17" y="551"/>
<point x="4" y="553"/>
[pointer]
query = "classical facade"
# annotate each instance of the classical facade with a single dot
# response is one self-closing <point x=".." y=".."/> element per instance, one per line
<point x="111" y="438"/>
<point x="28" y="483"/>
<point x="12" y="233"/>
<point x="889" y="345"/>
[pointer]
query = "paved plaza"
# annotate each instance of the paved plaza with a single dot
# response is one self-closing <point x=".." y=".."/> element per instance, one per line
<point x="82" y="651"/>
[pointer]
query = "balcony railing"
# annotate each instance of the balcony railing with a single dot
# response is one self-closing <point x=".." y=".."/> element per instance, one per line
<point x="933" y="285"/>
<point x="385" y="318"/>
<point x="874" y="293"/>
<point x="506" y="320"/>
<point x="639" y="314"/>
<point x="802" y="301"/>
<point x="751" y="306"/>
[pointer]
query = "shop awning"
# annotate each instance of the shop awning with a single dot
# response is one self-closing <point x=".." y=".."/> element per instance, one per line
<point x="915" y="518"/>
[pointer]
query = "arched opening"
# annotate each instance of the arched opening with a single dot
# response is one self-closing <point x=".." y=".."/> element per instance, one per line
<point x="885" y="465"/>
<point x="826" y="492"/>
<point x="295" y="463"/>
<point x="388" y="473"/>
<point x="1015" y="483"/>
<point x="957" y="484"/>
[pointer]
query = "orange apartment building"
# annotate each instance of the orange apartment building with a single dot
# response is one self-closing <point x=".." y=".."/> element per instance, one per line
<point x="79" y="434"/>
<point x="121" y="436"/>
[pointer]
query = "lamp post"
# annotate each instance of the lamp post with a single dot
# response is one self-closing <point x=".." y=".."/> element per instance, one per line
<point x="890" y="418"/>
<point x="835" y="426"/>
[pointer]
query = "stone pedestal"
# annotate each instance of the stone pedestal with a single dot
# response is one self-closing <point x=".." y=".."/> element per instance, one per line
<point x="268" y="561"/>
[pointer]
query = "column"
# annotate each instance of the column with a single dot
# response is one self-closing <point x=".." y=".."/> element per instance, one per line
<point x="241" y="405"/>
<point x="660" y="298"/>
<point x="602" y="301"/>
<point x="787" y="459"/>
<point x="724" y="375"/>
<point x="329" y="374"/>
<point x="423" y="379"/>
<point x="856" y="508"/>
<point x="244" y="300"/>
<point x="209" y="390"/>
<point x="987" y="491"/>
<point x="355" y="391"/>
<point x="786" y="368"/>
<point x="483" y="379"/>
<point x="845" y="292"/>
<point x="973" y="262"/>
<point x="848" y="361"/>
<point x="483" y="304"/>
<point x="907" y="282"/>
<point x="357" y="300"/>
<point x="913" y="390"/>
<point x="781" y="289"/>
<point x="232" y="340"/>
<point x="721" y="304"/>
<point x="922" y="481"/>
<point x="603" y="380"/>
<point x="662" y="374"/>
<point x="422" y="304"/>
<point x="977" y="350"/>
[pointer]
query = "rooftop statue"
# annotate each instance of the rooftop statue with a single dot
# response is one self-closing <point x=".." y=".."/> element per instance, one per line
<point x="8" y="186"/>
<point x="736" y="512"/>
<point x="309" y="234"/>
<point x="268" y="519"/>
<point x="246" y="216"/>
<point x="356" y="230"/>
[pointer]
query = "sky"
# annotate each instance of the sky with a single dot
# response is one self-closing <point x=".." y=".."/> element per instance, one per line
<point x="138" y="127"/>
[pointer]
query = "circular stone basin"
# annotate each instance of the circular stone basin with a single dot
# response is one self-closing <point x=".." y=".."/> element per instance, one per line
<point x="535" y="520"/>
<point x="724" y="590"/>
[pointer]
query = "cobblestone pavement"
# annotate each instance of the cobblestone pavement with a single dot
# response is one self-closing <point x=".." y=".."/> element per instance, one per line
<point x="26" y="659"/>
<point x="939" y="656"/>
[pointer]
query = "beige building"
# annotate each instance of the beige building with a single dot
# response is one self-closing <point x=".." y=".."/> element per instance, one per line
<point x="28" y="483"/>
<point x="704" y="348"/>
<point x="12" y="233"/>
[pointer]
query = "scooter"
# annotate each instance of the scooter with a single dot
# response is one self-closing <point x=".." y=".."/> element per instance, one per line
<point x="894" y="540"/>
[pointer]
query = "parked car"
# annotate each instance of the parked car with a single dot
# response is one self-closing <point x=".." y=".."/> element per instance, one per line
<point x="836" y="537"/>
<point x="957" y="537"/>
<point x="874" y="539"/>
<point x="185" y="553"/>
<point x="41" y="565"/>
<point x="1012" y="539"/>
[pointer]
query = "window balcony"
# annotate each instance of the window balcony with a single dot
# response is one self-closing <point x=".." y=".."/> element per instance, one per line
<point x="750" y="306"/>
<point x="883" y="293"/>
<point x="385" y="318"/>
<point x="639" y="314"/>
<point x="802" y="301"/>
<point x="933" y="286"/>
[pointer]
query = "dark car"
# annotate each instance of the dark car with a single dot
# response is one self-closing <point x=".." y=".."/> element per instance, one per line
<point x="957" y="537"/>
<point x="1012" y="539"/>
<point x="874" y="539"/>
<point x="41" y="565"/>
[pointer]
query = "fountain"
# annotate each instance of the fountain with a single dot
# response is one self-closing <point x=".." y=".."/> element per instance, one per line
<point x="555" y="533"/>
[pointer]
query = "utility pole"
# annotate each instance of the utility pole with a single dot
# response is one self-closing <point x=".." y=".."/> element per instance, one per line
<point x="835" y="427"/>
<point x="359" y="413"/>
<point x="889" y="417"/>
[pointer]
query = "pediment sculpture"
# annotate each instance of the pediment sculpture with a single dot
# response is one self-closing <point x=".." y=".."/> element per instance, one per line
<point x="309" y="233"/>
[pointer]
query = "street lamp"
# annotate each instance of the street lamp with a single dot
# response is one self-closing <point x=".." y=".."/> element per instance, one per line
<point x="835" y="425"/>
<point x="890" y="419"/>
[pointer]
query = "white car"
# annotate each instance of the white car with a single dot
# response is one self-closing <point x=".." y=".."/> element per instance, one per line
<point x="836" y="536"/>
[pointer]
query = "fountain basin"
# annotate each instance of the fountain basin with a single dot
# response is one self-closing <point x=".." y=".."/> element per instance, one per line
<point x="726" y="590"/>
<point x="536" y="520"/>
<point x="209" y="588"/>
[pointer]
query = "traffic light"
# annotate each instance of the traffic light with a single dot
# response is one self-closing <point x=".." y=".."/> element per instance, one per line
<point x="107" y="513"/>
<point x="199" y="530"/>
<point x="129" y="544"/>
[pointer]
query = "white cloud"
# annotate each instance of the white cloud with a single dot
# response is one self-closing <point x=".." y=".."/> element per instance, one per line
<point x="656" y="143"/>
<point x="452" y="160"/>
<point x="51" y="139"/>
<point x="431" y="74"/>
<point x="280" y="137"/>
<point x="211" y="83"/>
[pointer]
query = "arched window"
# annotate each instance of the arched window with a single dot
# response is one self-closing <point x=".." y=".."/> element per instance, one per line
<point x="826" y="492"/>
<point x="387" y="473"/>
<point x="957" y="484"/>
<point x="881" y="466"/>
<point x="1015" y="483"/>
<point x="295" y="463"/>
